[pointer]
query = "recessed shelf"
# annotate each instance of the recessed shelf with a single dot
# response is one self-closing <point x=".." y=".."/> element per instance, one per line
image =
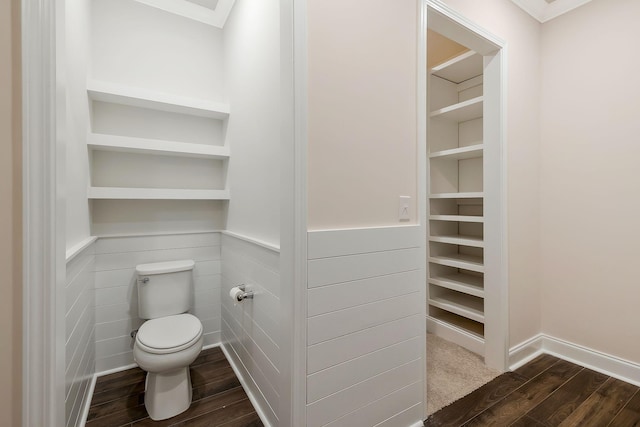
<point x="472" y="241"/>
<point x="216" y="16"/>
<point x="472" y="285"/>
<point x="466" y="262"/>
<point x="144" y="98"/>
<point x="462" y="111"/>
<point x="461" y="68"/>
<point x="457" y="218"/>
<point x="462" y="153"/>
<point x="472" y="195"/>
<point x="116" y="193"/>
<point x="461" y="304"/>
<point x="153" y="146"/>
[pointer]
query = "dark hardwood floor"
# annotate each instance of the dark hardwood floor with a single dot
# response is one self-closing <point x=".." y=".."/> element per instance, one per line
<point x="546" y="392"/>
<point x="218" y="398"/>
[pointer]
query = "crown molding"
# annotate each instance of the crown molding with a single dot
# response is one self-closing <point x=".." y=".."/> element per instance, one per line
<point x="544" y="12"/>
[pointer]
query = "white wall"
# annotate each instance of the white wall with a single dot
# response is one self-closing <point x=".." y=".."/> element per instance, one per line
<point x="116" y="296"/>
<point x="80" y="333"/>
<point x="522" y="34"/>
<point x="141" y="46"/>
<point x="252" y="61"/>
<point x="589" y="185"/>
<point x="365" y="328"/>
<point x="362" y="111"/>
<point x="76" y="57"/>
<point x="251" y="330"/>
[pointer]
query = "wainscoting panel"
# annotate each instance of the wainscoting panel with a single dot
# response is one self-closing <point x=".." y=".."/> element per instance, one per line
<point x="251" y="329"/>
<point x="116" y="295"/>
<point x="365" y="328"/>
<point x="80" y="331"/>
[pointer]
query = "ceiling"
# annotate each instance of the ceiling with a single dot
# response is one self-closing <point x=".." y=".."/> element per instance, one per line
<point x="212" y="12"/>
<point x="546" y="10"/>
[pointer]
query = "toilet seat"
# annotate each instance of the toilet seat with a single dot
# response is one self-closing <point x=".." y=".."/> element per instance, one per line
<point x="169" y="334"/>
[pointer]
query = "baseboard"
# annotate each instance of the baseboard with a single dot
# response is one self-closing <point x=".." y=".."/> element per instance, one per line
<point x="525" y="352"/>
<point x="240" y="374"/>
<point x="87" y="402"/>
<point x="600" y="362"/>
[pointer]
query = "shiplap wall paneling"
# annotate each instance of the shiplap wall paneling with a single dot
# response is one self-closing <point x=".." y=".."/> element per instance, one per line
<point x="80" y="333"/>
<point x="251" y="329"/>
<point x="365" y="332"/>
<point x="116" y="292"/>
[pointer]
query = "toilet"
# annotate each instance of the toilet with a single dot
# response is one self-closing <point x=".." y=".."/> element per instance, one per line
<point x="170" y="339"/>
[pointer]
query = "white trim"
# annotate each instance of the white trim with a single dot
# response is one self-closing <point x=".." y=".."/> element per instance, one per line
<point x="525" y="352"/>
<point x="43" y="389"/>
<point x="251" y="240"/>
<point x="423" y="212"/>
<point x="544" y="12"/>
<point x="245" y="385"/>
<point x="598" y="361"/>
<point x="75" y="250"/>
<point x="156" y="233"/>
<point x="87" y="402"/>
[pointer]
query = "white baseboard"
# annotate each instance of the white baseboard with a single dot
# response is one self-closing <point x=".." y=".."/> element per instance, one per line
<point x="240" y="372"/>
<point x="600" y="362"/>
<point x="525" y="352"/>
<point x="87" y="402"/>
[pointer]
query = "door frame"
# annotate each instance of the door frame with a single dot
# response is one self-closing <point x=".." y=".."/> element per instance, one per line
<point x="457" y="27"/>
<point x="43" y="370"/>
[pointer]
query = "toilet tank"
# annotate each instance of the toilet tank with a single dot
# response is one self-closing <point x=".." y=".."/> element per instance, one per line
<point x="164" y="288"/>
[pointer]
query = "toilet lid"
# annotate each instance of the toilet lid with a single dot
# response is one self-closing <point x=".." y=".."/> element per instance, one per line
<point x="169" y="334"/>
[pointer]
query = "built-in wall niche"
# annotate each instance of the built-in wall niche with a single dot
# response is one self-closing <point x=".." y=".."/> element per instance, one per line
<point x="142" y="140"/>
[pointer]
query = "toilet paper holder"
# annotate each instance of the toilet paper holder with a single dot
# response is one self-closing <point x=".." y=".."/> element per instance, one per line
<point x="244" y="294"/>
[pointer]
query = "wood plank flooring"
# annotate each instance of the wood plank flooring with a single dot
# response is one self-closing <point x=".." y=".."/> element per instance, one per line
<point x="546" y="392"/>
<point x="218" y="398"/>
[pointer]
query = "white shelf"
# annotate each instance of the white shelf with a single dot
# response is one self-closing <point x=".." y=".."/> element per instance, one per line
<point x="472" y="285"/>
<point x="128" y="144"/>
<point x="461" y="68"/>
<point x="462" y="153"/>
<point x="467" y="262"/>
<point x="155" y="194"/>
<point x="462" y="331"/>
<point x="473" y="241"/>
<point x="457" y="218"/>
<point x="462" y="111"/>
<point x="474" y="195"/>
<point x="143" y="98"/>
<point x="461" y="304"/>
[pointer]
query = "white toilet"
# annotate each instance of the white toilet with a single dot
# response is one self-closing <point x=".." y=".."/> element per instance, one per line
<point x="170" y="340"/>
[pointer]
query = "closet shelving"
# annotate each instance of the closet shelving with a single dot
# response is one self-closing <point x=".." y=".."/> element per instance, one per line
<point x="456" y="200"/>
<point x="113" y="93"/>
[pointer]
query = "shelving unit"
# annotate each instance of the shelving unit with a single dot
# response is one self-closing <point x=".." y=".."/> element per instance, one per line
<point x="456" y="148"/>
<point x="135" y="164"/>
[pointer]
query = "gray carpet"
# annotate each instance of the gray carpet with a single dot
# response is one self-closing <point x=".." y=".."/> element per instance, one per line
<point x="452" y="373"/>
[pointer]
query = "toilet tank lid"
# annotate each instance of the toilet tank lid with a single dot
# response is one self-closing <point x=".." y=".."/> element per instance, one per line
<point x="165" y="267"/>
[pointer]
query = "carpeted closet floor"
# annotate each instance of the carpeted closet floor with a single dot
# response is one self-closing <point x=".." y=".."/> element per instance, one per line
<point x="452" y="373"/>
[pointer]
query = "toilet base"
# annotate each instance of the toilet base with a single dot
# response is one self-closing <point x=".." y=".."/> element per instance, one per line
<point x="167" y="394"/>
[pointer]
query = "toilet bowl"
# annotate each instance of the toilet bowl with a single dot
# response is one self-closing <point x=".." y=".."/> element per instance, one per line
<point x="165" y="347"/>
